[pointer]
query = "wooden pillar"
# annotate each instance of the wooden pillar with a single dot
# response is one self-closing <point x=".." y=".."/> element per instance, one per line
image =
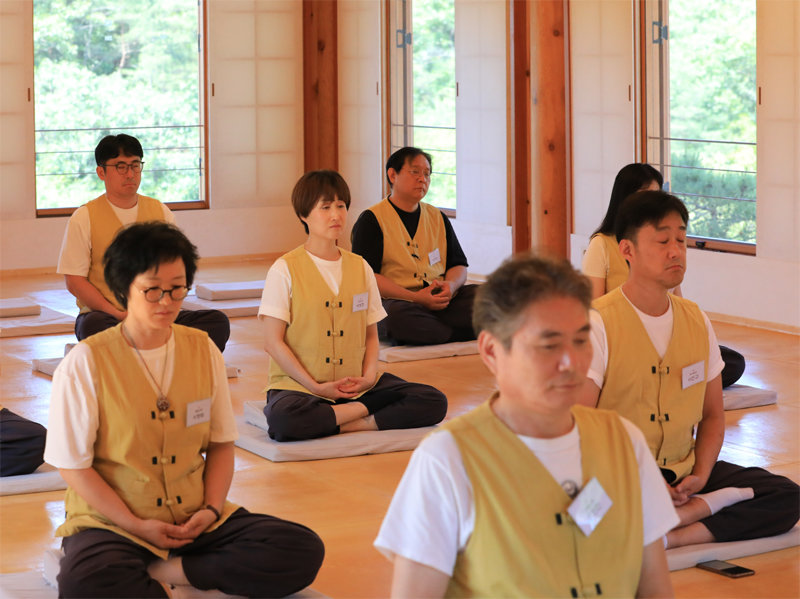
<point x="550" y="144"/>
<point x="520" y="126"/>
<point x="320" y="85"/>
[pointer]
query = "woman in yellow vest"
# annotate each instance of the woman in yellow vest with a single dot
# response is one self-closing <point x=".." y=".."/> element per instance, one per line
<point x="605" y="266"/>
<point x="320" y="309"/>
<point x="602" y="262"/>
<point x="142" y="430"/>
<point x="531" y="495"/>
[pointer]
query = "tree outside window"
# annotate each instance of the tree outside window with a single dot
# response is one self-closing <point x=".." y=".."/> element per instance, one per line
<point x="705" y="98"/>
<point x="423" y="103"/>
<point x="117" y="66"/>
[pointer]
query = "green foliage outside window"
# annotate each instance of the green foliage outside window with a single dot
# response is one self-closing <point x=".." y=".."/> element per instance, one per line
<point x="105" y="67"/>
<point x="713" y="97"/>
<point x="434" y="72"/>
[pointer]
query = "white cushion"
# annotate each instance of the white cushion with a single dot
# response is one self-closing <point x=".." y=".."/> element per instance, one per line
<point x="46" y="365"/>
<point x="253" y="437"/>
<point x="45" y="478"/>
<point x="223" y="291"/>
<point x="47" y="322"/>
<point x="407" y="353"/>
<point x="743" y="396"/>
<point x="231" y="308"/>
<point x="689" y="556"/>
<point x="18" y="306"/>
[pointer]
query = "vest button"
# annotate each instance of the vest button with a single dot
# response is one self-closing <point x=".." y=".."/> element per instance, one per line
<point x="169" y="502"/>
<point x="162" y="415"/>
<point x="165" y="460"/>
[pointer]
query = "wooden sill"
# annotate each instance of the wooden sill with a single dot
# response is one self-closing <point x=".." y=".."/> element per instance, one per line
<point x="721" y="245"/>
<point x="50" y="212"/>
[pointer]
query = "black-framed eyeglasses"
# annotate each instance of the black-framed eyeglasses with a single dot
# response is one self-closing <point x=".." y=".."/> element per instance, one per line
<point x="122" y="167"/>
<point x="416" y="173"/>
<point x="154" y="294"/>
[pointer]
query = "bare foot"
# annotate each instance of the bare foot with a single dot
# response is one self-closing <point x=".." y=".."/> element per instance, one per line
<point x="169" y="571"/>
<point x="689" y="535"/>
<point x="693" y="510"/>
<point x="367" y="423"/>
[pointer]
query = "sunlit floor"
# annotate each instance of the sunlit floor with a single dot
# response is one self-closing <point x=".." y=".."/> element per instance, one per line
<point x="344" y="499"/>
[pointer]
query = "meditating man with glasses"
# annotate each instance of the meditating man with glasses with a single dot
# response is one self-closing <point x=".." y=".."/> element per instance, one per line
<point x="418" y="262"/>
<point x="92" y="227"/>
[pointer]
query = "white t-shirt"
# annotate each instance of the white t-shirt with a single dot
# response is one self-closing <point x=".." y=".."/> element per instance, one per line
<point x="76" y="247"/>
<point x="432" y="514"/>
<point x="73" y="421"/>
<point x="659" y="329"/>
<point x="277" y="294"/>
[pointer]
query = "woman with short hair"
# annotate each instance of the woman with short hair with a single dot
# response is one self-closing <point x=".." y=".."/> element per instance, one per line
<point x="142" y="430"/>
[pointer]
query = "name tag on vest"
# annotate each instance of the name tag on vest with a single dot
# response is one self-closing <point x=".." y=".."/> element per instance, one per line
<point x="360" y="301"/>
<point x="198" y="412"/>
<point x="692" y="374"/>
<point x="434" y="257"/>
<point x="590" y="506"/>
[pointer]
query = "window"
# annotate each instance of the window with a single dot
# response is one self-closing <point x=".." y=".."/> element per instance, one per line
<point x="700" y="110"/>
<point x="118" y="66"/>
<point x="423" y="88"/>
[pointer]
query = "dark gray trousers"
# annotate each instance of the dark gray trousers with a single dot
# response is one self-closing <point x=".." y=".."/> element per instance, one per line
<point x="254" y="555"/>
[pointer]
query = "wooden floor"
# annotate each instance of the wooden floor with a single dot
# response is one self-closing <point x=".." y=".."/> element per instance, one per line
<point x="344" y="499"/>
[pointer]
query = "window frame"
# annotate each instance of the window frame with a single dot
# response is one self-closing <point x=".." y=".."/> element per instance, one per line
<point x="204" y="202"/>
<point x="643" y="31"/>
<point x="391" y="31"/>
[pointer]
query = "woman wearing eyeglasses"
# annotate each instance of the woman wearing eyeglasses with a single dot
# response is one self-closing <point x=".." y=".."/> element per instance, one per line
<point x="142" y="430"/>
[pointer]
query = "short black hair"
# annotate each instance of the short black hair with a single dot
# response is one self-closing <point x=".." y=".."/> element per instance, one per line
<point x="646" y="208"/>
<point x="141" y="246"/>
<point x="112" y="146"/>
<point x="399" y="159"/>
<point x="318" y="186"/>
<point x="630" y="179"/>
<point x="519" y="282"/>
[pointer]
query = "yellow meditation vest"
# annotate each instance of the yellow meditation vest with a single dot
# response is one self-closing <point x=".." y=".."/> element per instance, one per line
<point x="327" y="332"/>
<point x="103" y="226"/>
<point x="406" y="261"/>
<point x="151" y="459"/>
<point x="618" y="270"/>
<point x="648" y="390"/>
<point x="524" y="543"/>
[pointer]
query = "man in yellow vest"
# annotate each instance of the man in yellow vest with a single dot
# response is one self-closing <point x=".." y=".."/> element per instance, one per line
<point x="530" y="495"/>
<point x="92" y="227"/>
<point x="657" y="362"/>
<point x="418" y="262"/>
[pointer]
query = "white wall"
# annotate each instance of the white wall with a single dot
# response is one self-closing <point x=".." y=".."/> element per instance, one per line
<point x="481" y="222"/>
<point x="360" y="154"/>
<point x="603" y="118"/>
<point x="762" y="288"/>
<point x="256" y="135"/>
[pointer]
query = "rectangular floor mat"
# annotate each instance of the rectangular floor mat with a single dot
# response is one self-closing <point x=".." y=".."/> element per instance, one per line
<point x="46" y="478"/>
<point x="408" y="353"/>
<point x="47" y="322"/>
<point x="18" y="306"/>
<point x="232" y="308"/>
<point x="253" y="437"/>
<point x="227" y="291"/>
<point x="736" y="397"/>
<point x="691" y="555"/>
